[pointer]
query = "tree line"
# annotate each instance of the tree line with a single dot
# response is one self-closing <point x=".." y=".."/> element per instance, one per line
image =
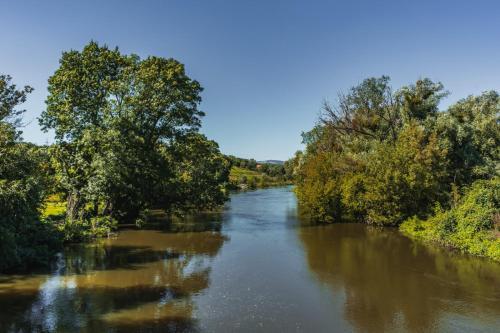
<point x="126" y="140"/>
<point x="392" y="158"/>
<point x="250" y="174"/>
<point x="282" y="171"/>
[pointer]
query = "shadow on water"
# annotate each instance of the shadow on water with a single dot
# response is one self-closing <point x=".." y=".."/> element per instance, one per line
<point x="193" y="222"/>
<point x="391" y="282"/>
<point x="140" y="281"/>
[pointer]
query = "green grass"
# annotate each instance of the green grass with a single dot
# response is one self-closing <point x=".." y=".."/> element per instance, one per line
<point x="237" y="173"/>
<point x="245" y="178"/>
<point x="53" y="206"/>
<point x="472" y="225"/>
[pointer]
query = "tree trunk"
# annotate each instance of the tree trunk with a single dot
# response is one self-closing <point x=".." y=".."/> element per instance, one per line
<point x="73" y="206"/>
<point x="108" y="208"/>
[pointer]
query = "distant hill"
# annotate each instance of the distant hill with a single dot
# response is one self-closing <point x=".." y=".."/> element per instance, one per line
<point x="271" y="162"/>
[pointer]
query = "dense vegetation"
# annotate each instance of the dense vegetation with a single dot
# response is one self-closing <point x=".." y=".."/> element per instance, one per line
<point x="467" y="224"/>
<point x="250" y="174"/>
<point x="24" y="239"/>
<point x="392" y="158"/>
<point x="126" y="140"/>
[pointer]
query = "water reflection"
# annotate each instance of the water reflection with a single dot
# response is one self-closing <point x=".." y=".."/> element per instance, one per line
<point x="273" y="276"/>
<point x="393" y="284"/>
<point x="141" y="280"/>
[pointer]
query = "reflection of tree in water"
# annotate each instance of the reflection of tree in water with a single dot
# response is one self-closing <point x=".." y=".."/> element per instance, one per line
<point x="142" y="280"/>
<point x="390" y="282"/>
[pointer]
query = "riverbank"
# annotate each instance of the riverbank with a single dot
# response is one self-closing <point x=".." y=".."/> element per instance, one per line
<point x="471" y="226"/>
<point x="246" y="179"/>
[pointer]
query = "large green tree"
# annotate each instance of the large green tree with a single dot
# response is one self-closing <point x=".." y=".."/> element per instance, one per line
<point x="117" y="120"/>
<point x="374" y="156"/>
<point x="471" y="131"/>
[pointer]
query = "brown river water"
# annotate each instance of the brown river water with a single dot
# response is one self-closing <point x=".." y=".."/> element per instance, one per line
<point x="256" y="268"/>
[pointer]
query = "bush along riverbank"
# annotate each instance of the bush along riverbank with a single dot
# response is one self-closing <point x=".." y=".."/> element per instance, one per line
<point x="392" y="158"/>
<point x="472" y="224"/>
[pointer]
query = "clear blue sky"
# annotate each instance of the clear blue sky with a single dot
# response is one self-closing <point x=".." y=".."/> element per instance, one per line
<point x="266" y="66"/>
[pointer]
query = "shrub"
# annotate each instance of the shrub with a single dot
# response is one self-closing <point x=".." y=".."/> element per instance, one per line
<point x="87" y="228"/>
<point x="469" y="226"/>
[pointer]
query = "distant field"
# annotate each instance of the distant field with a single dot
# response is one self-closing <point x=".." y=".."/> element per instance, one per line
<point x="237" y="173"/>
<point x="254" y="179"/>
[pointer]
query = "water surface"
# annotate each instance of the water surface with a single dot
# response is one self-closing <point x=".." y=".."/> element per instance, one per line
<point x="256" y="268"/>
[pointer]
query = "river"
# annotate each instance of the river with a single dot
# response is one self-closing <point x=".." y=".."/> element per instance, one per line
<point x="255" y="268"/>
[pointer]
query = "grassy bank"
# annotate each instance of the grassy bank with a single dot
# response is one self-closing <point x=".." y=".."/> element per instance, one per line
<point x="241" y="178"/>
<point x="472" y="225"/>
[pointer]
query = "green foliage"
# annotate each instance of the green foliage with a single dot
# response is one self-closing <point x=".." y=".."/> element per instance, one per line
<point x="470" y="131"/>
<point x="88" y="228"/>
<point x="420" y="100"/>
<point x="126" y="135"/>
<point x="318" y="188"/>
<point x="352" y="197"/>
<point x="249" y="179"/>
<point x="242" y="163"/>
<point x="278" y="173"/>
<point x="202" y="173"/>
<point x="292" y="165"/>
<point x="127" y="139"/>
<point x="252" y="184"/>
<point x="242" y="175"/>
<point x="53" y="209"/>
<point x="404" y="178"/>
<point x="470" y="226"/>
<point x="24" y="240"/>
<point x="385" y="157"/>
